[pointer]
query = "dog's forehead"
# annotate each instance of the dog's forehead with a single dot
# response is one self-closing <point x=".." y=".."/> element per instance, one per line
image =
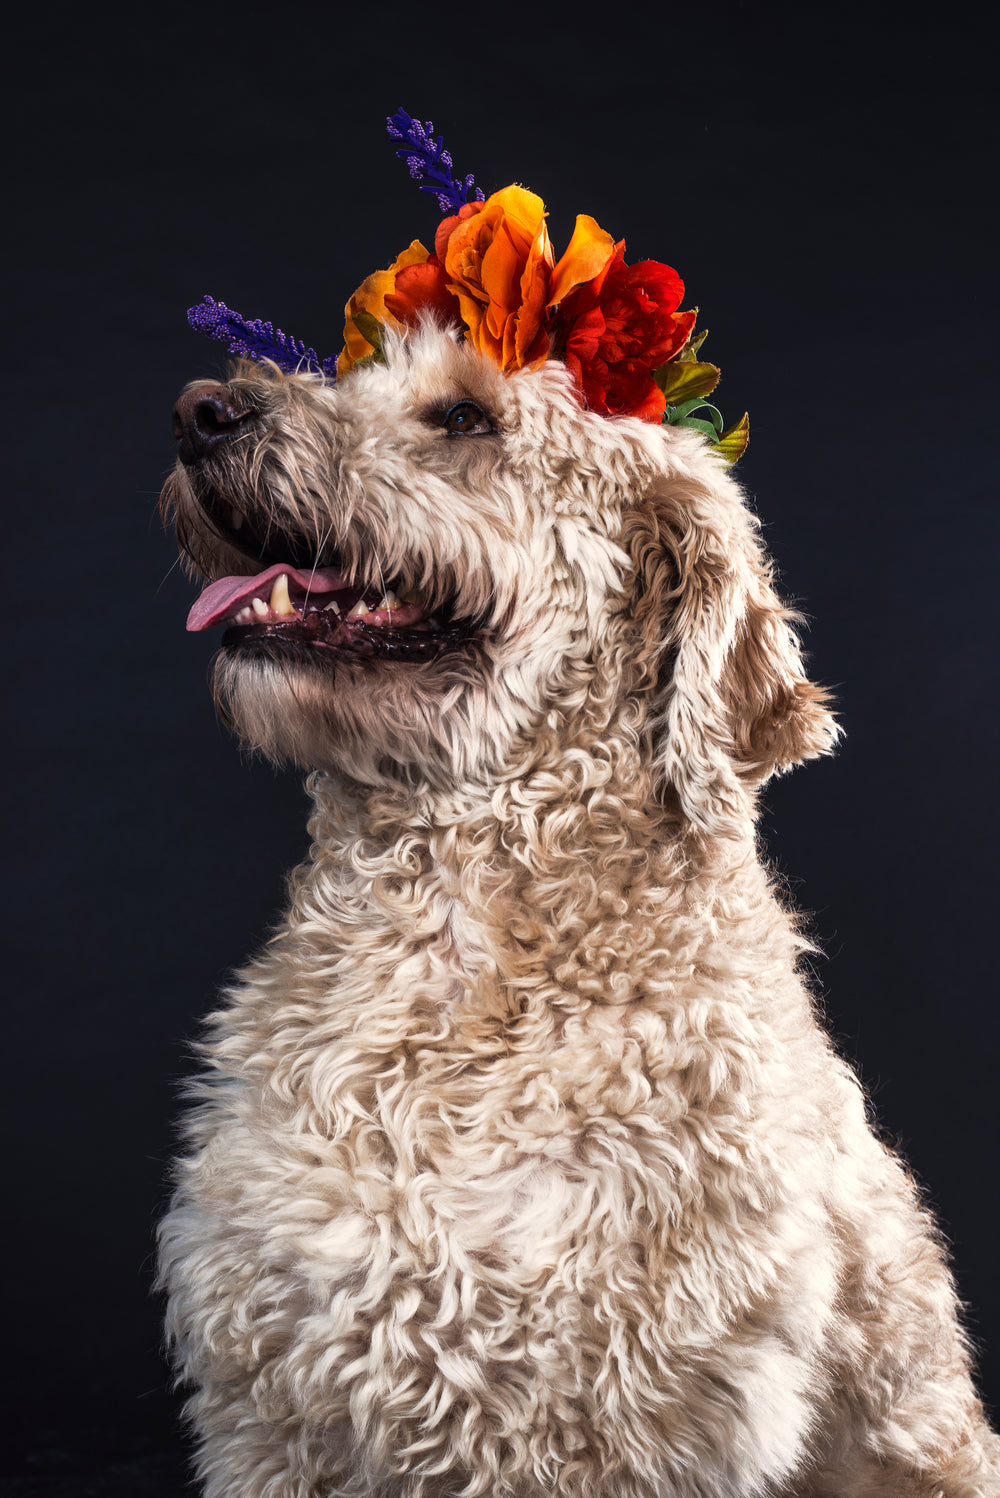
<point x="426" y="370"/>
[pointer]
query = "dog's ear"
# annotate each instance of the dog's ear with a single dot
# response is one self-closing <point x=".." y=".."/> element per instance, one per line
<point x="735" y="704"/>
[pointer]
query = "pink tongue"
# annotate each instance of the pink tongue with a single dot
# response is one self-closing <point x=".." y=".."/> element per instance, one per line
<point x="228" y="594"/>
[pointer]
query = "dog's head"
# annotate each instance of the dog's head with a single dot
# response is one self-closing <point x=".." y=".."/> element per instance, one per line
<point x="438" y="573"/>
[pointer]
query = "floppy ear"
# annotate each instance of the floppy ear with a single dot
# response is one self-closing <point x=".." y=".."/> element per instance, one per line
<point x="736" y="706"/>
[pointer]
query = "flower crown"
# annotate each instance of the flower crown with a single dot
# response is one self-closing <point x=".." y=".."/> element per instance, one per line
<point x="616" y="327"/>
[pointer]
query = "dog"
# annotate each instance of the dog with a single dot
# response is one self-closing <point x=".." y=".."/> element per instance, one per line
<point x="521" y="1165"/>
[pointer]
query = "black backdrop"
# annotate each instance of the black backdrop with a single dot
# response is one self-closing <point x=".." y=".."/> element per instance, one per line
<point x="820" y="177"/>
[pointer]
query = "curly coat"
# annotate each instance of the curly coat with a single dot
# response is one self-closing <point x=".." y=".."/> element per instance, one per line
<point x="521" y="1164"/>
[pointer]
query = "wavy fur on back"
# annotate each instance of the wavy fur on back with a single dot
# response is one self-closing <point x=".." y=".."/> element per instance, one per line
<point x="520" y="1165"/>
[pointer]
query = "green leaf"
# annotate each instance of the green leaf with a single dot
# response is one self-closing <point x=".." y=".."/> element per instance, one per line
<point x="680" y="416"/>
<point x="370" y="329"/>
<point x="683" y="378"/>
<point x="689" y="352"/>
<point x="733" y="442"/>
<point x="706" y="428"/>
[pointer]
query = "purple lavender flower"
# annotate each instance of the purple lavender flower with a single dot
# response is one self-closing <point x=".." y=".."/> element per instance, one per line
<point x="426" y="157"/>
<point x="254" y="339"/>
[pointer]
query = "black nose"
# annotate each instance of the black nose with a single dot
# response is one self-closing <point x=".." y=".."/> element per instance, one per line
<point x="203" y="418"/>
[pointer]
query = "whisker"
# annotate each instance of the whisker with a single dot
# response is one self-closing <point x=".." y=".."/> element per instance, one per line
<point x="319" y="553"/>
<point x="168" y="574"/>
<point x="381" y="574"/>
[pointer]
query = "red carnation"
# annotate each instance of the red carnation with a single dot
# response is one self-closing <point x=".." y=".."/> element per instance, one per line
<point x="615" y="330"/>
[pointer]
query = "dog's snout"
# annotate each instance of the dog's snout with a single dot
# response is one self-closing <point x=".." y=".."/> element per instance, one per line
<point x="205" y="417"/>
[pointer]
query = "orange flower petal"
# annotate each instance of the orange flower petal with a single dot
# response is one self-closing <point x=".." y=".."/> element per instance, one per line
<point x="521" y="208"/>
<point x="500" y="269"/>
<point x="419" y="289"/>
<point x="531" y="343"/>
<point x="448" y="225"/>
<point x="587" y="256"/>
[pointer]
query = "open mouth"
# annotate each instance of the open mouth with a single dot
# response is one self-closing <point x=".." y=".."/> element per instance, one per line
<point x="304" y="599"/>
<point x="320" y="608"/>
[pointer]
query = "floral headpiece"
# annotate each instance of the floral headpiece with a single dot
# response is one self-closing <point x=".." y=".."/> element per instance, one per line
<point x="617" y="327"/>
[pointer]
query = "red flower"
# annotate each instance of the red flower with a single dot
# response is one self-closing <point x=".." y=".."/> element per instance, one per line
<point x="615" y="330"/>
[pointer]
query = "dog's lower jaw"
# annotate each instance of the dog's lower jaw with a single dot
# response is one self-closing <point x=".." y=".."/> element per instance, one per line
<point x="377" y="720"/>
<point x="471" y="712"/>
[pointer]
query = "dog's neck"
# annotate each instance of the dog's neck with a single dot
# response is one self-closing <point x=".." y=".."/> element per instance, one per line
<point x="527" y="883"/>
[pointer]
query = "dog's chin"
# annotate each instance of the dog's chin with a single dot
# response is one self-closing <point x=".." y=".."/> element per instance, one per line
<point x="363" y="713"/>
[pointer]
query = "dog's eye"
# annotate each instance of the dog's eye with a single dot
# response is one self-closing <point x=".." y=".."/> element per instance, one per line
<point x="465" y="419"/>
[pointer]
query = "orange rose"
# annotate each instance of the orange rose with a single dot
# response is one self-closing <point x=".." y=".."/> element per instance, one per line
<point x="499" y="264"/>
<point x="370" y="297"/>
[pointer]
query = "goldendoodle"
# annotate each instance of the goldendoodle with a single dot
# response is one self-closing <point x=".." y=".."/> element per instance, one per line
<point x="521" y="1165"/>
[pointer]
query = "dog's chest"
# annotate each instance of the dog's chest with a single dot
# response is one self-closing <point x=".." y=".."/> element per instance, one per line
<point x="452" y="1125"/>
<point x="471" y="1184"/>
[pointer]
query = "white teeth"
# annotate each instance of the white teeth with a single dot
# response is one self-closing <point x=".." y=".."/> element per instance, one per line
<point x="260" y="608"/>
<point x="333" y="607"/>
<point x="235" y="519"/>
<point x="245" y="615"/>
<point x="359" y="610"/>
<point x="281" y="604"/>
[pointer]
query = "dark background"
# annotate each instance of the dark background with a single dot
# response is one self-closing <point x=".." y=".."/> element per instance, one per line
<point x="820" y="177"/>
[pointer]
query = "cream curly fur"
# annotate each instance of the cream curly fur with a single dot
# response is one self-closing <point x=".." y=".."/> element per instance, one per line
<point x="521" y="1165"/>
